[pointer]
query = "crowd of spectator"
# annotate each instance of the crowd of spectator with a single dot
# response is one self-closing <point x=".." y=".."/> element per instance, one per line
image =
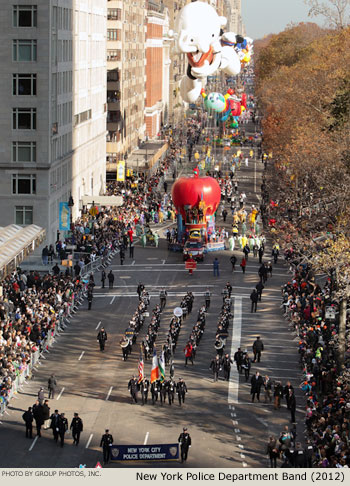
<point x="326" y="387"/>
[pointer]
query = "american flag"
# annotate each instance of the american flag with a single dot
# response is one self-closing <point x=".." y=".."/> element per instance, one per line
<point x="141" y="369"/>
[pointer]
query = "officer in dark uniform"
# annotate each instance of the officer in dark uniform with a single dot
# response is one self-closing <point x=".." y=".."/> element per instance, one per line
<point x="77" y="427"/>
<point x="140" y="289"/>
<point x="215" y="366"/>
<point x="226" y="364"/>
<point x="154" y="391"/>
<point x="170" y="389"/>
<point x="144" y="386"/>
<point x="163" y="294"/>
<point x="238" y="357"/>
<point x="185" y="443"/>
<point x="102" y="338"/>
<point x="162" y="392"/>
<point x="259" y="287"/>
<point x="181" y="390"/>
<point x="54" y="424"/>
<point x="28" y="418"/>
<point x="106" y="441"/>
<point x="133" y="387"/>
<point x="62" y="427"/>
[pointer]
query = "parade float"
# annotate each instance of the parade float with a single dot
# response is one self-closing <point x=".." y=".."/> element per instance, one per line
<point x="196" y="200"/>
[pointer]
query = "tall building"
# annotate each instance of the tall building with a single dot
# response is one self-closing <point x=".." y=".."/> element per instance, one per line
<point x="125" y="78"/>
<point x="234" y="16"/>
<point x="53" y="107"/>
<point x="157" y="67"/>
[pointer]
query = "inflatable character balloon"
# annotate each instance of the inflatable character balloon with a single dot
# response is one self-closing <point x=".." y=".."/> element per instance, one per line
<point x="198" y="33"/>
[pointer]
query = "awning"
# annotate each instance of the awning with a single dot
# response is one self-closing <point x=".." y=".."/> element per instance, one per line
<point x="16" y="242"/>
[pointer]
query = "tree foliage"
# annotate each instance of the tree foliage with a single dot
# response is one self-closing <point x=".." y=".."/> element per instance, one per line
<point x="335" y="12"/>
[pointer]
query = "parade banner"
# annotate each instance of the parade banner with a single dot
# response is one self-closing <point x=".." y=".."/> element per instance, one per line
<point x="155" y="452"/>
<point x="64" y="217"/>
<point x="121" y="171"/>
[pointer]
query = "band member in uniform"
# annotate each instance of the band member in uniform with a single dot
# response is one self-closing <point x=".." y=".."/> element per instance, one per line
<point x="124" y="344"/>
<point x="163" y="294"/>
<point x="170" y="388"/>
<point x="207" y="299"/>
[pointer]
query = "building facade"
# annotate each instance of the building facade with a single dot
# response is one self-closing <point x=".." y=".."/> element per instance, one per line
<point x="53" y="115"/>
<point x="125" y="78"/>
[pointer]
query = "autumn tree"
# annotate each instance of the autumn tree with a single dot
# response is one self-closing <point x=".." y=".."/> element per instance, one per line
<point x="335" y="12"/>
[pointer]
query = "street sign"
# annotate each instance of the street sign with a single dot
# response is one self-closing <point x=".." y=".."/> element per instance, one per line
<point x="190" y="265"/>
<point x="154" y="452"/>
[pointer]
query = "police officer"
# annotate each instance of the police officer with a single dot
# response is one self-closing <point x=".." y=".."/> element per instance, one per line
<point x="226" y="364"/>
<point x="170" y="388"/>
<point x="144" y="386"/>
<point x="163" y="294"/>
<point x="258" y="347"/>
<point x="106" y="441"/>
<point x="207" y="300"/>
<point x="133" y="387"/>
<point x="62" y="427"/>
<point x="54" y="424"/>
<point x="238" y="357"/>
<point x="162" y="392"/>
<point x="28" y="419"/>
<point x="185" y="443"/>
<point x="181" y="390"/>
<point x="215" y="366"/>
<point x="154" y="391"/>
<point x="102" y="338"/>
<point x="76" y="427"/>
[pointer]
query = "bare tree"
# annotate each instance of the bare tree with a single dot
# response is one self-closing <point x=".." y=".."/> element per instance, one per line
<point x="336" y="12"/>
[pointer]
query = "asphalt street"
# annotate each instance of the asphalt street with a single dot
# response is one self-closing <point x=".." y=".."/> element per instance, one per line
<point x="227" y="430"/>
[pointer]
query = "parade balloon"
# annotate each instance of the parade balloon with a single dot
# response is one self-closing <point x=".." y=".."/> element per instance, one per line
<point x="188" y="192"/>
<point x="214" y="101"/>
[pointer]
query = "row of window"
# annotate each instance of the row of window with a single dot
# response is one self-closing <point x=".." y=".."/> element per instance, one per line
<point x="82" y="117"/>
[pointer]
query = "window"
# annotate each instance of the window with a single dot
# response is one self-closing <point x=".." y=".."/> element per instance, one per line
<point x="23" y="184"/>
<point x="24" y="118"/>
<point x="113" y="116"/>
<point x="113" y="75"/>
<point x="114" y="34"/>
<point x="24" y="84"/>
<point x="23" y="151"/>
<point x="114" y="14"/>
<point x="24" y="15"/>
<point x="114" y="55"/>
<point x="24" y="215"/>
<point x="24" y="50"/>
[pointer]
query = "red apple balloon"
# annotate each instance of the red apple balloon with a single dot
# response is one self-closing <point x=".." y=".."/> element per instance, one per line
<point x="190" y="191"/>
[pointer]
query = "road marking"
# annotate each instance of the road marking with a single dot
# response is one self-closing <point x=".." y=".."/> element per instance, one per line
<point x="33" y="443"/>
<point x="113" y="299"/>
<point x="82" y="354"/>
<point x="133" y="262"/>
<point x="109" y="393"/>
<point x="163" y="262"/>
<point x="235" y="343"/>
<point x="262" y="421"/>
<point x="146" y="438"/>
<point x="88" y="442"/>
<point x="98" y="325"/>
<point x="60" y="394"/>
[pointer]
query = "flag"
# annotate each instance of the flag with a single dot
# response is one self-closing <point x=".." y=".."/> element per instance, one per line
<point x="155" y="369"/>
<point x="161" y="366"/>
<point x="141" y="369"/>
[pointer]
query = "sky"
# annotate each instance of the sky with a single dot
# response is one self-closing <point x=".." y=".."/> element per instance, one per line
<point x="263" y="17"/>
